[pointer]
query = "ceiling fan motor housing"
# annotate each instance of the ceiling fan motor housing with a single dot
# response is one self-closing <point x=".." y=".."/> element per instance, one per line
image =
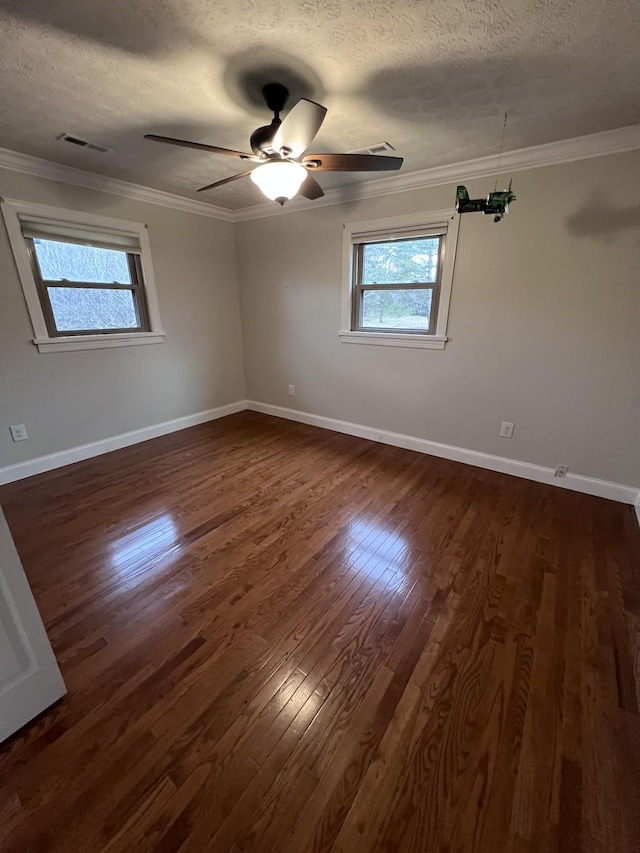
<point x="262" y="137"/>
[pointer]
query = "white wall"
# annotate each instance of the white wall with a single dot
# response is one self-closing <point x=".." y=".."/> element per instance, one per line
<point x="72" y="398"/>
<point x="544" y="324"/>
<point x="544" y="327"/>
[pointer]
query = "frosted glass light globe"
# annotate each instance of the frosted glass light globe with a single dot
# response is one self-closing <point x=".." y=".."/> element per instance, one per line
<point x="279" y="180"/>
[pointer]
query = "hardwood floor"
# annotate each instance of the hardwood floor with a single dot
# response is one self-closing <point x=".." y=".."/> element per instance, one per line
<point x="279" y="638"/>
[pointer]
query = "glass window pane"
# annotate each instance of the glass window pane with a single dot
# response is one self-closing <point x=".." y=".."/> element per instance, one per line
<point x="70" y="261"/>
<point x="78" y="308"/>
<point x="397" y="309"/>
<point x="401" y="261"/>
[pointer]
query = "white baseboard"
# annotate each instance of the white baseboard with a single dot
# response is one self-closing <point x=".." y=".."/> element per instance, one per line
<point x="96" y="448"/>
<point x="574" y="482"/>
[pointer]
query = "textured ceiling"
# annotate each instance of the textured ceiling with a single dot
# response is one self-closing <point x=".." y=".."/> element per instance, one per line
<point x="432" y="78"/>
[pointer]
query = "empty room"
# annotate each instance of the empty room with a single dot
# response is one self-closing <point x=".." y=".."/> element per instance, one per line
<point x="319" y="421"/>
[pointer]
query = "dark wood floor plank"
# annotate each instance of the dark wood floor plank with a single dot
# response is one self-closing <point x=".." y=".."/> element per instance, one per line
<point x="278" y="638"/>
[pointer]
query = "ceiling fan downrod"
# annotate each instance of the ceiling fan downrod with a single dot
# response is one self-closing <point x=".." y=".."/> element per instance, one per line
<point x="275" y="96"/>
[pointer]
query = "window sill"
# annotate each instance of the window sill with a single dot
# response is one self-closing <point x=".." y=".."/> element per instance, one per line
<point x="78" y="342"/>
<point x="394" y="340"/>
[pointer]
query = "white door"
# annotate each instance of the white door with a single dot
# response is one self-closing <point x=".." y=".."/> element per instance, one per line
<point x="30" y="680"/>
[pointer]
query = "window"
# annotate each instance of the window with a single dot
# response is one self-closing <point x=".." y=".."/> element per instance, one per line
<point x="397" y="284"/>
<point x="87" y="279"/>
<point x="397" y="280"/>
<point x="85" y="289"/>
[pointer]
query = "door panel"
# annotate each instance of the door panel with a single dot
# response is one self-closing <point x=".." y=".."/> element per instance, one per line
<point x="30" y="679"/>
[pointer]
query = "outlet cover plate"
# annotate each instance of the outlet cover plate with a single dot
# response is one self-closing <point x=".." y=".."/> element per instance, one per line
<point x="19" y="432"/>
<point x="506" y="430"/>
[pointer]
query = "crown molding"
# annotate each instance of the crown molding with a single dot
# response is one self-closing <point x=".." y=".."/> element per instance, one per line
<point x="550" y="154"/>
<point x="39" y="168"/>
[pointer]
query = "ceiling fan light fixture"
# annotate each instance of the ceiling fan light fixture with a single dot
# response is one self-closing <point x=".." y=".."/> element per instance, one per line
<point x="279" y="180"/>
<point x="279" y="148"/>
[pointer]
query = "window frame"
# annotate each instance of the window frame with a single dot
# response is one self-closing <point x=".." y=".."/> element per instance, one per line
<point x="442" y="223"/>
<point x="47" y="338"/>
<point x="359" y="288"/>
<point x="136" y="288"/>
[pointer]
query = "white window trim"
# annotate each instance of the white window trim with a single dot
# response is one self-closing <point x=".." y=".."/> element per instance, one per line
<point x="429" y="220"/>
<point x="12" y="210"/>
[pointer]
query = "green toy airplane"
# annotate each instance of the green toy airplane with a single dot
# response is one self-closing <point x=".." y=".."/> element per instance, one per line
<point x="495" y="204"/>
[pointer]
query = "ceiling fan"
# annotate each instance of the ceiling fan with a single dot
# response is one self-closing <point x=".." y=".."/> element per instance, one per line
<point x="281" y="171"/>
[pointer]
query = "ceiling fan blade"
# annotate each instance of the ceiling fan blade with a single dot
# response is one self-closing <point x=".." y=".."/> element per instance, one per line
<point x="310" y="188"/>
<point x="200" y="146"/>
<point x="350" y="162"/>
<point x="299" y="128"/>
<point x="225" y="181"/>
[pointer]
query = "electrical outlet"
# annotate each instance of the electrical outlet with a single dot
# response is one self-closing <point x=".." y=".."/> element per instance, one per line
<point x="292" y="390"/>
<point x="506" y="430"/>
<point x="561" y="471"/>
<point x="19" y="432"/>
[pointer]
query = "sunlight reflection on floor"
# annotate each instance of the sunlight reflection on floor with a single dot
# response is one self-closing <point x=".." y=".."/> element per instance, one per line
<point x="155" y="538"/>
<point x="381" y="553"/>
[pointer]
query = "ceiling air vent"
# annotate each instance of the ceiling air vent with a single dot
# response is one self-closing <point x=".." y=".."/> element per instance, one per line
<point x="84" y="143"/>
<point x="377" y="148"/>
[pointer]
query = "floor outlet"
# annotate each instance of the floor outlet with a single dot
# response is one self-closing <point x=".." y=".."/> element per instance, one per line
<point x="561" y="471"/>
